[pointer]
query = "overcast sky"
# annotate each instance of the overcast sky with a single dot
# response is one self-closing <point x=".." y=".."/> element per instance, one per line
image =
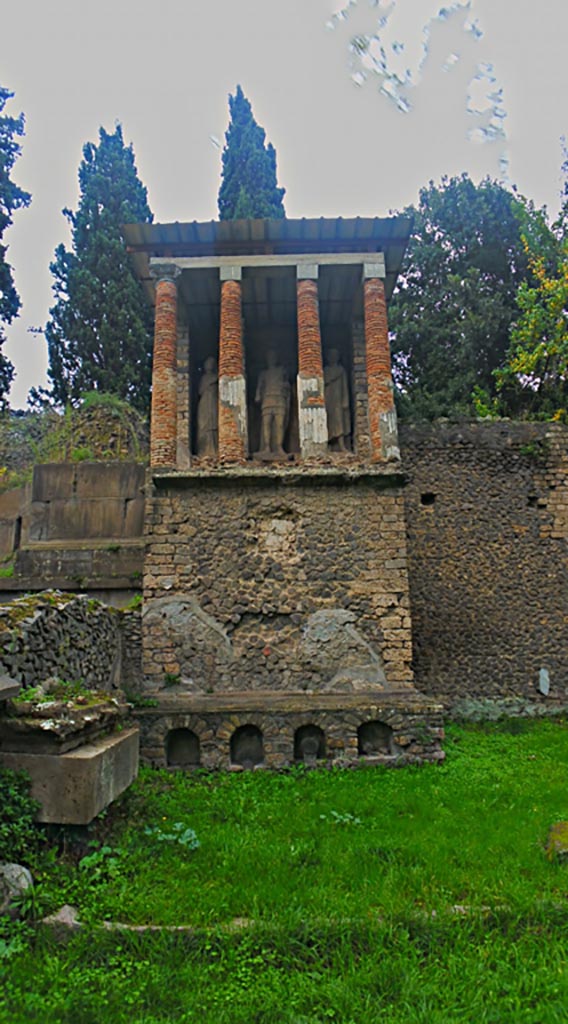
<point x="344" y="146"/>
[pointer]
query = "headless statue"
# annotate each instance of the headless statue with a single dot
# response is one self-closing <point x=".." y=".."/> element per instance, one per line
<point x="337" y="402"/>
<point x="208" y="409"/>
<point x="273" y="396"/>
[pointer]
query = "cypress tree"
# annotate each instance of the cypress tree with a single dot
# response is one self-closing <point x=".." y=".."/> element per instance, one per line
<point x="100" y="328"/>
<point x="249" y="184"/>
<point x="11" y="198"/>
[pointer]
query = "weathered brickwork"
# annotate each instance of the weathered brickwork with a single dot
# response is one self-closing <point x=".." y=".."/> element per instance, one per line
<point x="277" y="581"/>
<point x="486" y="510"/>
<point x="382" y="414"/>
<point x="312" y="415"/>
<point x="309" y="337"/>
<point x="163" y="441"/>
<point x="232" y="386"/>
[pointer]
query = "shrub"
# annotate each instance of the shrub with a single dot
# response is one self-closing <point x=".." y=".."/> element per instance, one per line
<point x="19" y="836"/>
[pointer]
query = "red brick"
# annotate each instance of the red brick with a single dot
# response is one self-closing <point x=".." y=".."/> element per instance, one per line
<point x="163" y="439"/>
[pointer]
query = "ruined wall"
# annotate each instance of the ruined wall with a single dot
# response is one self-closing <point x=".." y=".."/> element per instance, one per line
<point x="276" y="581"/>
<point x="487" y="518"/>
<point x="69" y="637"/>
<point x="77" y="526"/>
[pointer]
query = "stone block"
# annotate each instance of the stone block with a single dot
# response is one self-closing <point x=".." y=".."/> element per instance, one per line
<point x="53" y="480"/>
<point x="7" y="537"/>
<point x="9" y="687"/>
<point x="109" y="480"/>
<point x="13" y="502"/>
<point x="35" y="522"/>
<point x="85" y="519"/>
<point x="73" y="788"/>
<point x="134" y="517"/>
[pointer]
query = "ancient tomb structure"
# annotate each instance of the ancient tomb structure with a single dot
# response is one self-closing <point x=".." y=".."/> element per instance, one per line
<point x="276" y="622"/>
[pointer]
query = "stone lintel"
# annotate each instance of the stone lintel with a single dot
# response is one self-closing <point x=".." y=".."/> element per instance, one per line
<point x="230" y="272"/>
<point x="337" y="259"/>
<point x="262" y="701"/>
<point x="374" y="268"/>
<point x="382" y="476"/>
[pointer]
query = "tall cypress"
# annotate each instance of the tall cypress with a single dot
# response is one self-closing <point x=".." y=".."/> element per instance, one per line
<point x="99" y="334"/>
<point x="11" y="198"/>
<point x="249" y="186"/>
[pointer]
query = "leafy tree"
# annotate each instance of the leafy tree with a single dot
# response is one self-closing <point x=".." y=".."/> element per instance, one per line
<point x="533" y="382"/>
<point x="455" y="302"/>
<point x="100" y="328"/>
<point x="249" y="187"/>
<point x="11" y="198"/>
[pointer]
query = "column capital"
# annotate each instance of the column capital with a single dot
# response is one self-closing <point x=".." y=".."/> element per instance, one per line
<point x="374" y="267"/>
<point x="162" y="270"/>
<point x="232" y="272"/>
<point x="307" y="271"/>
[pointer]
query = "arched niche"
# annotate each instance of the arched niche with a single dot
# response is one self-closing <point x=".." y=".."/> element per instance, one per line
<point x="247" y="747"/>
<point x="182" y="749"/>
<point x="309" y="743"/>
<point x="375" y="738"/>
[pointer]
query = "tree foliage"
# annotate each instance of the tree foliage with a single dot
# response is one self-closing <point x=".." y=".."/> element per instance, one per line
<point x="249" y="184"/>
<point x="11" y="198"/>
<point x="533" y="382"/>
<point x="452" y="312"/>
<point x="100" y="328"/>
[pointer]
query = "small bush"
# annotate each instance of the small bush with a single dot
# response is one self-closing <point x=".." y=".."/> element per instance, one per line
<point x="19" y="837"/>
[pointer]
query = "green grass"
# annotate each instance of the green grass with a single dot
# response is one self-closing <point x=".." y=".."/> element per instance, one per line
<point x="435" y="973"/>
<point x="350" y="878"/>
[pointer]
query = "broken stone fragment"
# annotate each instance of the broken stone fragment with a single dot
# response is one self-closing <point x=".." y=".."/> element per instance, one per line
<point x="15" y="881"/>
<point x="557" y="842"/>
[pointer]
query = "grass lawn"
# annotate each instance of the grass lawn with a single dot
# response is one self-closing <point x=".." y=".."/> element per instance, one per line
<point x="413" y="895"/>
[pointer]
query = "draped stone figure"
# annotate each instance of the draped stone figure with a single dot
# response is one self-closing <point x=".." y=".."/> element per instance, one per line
<point x="337" y="401"/>
<point x="208" y="409"/>
<point x="273" y="395"/>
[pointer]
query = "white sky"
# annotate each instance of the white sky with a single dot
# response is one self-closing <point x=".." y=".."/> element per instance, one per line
<point x="164" y="70"/>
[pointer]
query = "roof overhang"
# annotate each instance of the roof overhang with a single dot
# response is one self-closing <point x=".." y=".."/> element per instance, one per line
<point x="215" y="241"/>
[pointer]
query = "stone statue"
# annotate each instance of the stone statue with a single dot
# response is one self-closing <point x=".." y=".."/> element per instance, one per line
<point x="273" y="396"/>
<point x="337" y="401"/>
<point x="208" y="409"/>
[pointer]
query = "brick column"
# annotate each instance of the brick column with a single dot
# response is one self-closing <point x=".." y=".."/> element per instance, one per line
<point x="382" y="412"/>
<point x="233" y="427"/>
<point x="312" y="417"/>
<point x="163" y="437"/>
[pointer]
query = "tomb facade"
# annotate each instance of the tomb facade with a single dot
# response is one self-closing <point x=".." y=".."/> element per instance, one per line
<point x="276" y="598"/>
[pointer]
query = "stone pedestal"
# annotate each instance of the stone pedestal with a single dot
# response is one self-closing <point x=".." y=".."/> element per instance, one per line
<point x="73" y="788"/>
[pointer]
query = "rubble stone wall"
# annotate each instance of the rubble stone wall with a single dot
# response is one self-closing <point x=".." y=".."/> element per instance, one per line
<point x="271" y="581"/>
<point x="487" y="516"/>
<point x="72" y="638"/>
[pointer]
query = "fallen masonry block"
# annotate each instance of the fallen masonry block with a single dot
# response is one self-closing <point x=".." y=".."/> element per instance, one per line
<point x="72" y="788"/>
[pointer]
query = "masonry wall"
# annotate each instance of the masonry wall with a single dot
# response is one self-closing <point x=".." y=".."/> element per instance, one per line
<point x="487" y="519"/>
<point x="276" y="581"/>
<point x="70" y="637"/>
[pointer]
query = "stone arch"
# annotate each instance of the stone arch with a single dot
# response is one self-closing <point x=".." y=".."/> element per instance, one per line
<point x="309" y="743"/>
<point x="247" y="746"/>
<point x="375" y="738"/>
<point x="183" y="749"/>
